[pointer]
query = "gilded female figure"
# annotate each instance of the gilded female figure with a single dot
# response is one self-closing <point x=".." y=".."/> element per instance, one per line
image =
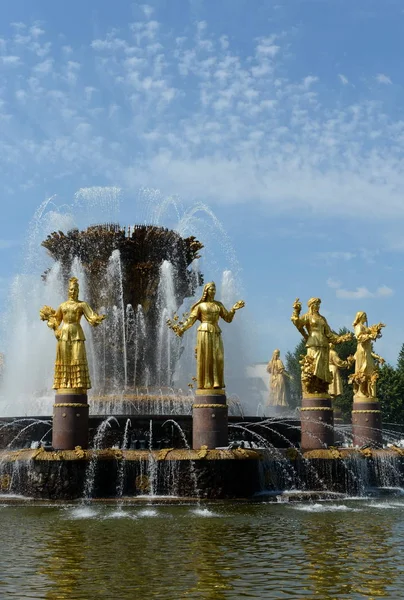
<point x="366" y="372"/>
<point x="336" y="363"/>
<point x="316" y="374"/>
<point x="209" y="349"/>
<point x="277" y="383"/>
<point x="71" y="367"/>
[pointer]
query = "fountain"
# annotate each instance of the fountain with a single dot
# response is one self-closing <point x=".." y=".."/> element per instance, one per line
<point x="140" y="438"/>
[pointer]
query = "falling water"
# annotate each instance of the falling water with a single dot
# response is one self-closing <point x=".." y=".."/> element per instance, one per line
<point x="118" y="329"/>
<point x="136" y="335"/>
<point x="167" y="305"/>
<point x="92" y="465"/>
<point x="152" y="467"/>
<point x="192" y="471"/>
<point x="28" y="376"/>
<point x="121" y="466"/>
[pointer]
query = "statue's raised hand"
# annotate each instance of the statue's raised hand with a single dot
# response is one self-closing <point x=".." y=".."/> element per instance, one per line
<point x="239" y="304"/>
<point x="297" y="306"/>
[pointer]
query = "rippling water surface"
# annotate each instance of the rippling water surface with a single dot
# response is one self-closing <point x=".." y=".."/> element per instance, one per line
<point x="323" y="551"/>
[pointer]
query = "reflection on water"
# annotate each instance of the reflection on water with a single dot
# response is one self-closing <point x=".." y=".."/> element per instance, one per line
<point x="325" y="551"/>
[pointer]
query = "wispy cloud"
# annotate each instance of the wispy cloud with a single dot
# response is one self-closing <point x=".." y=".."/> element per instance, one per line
<point x="333" y="283"/>
<point x="359" y="293"/>
<point x="337" y="255"/>
<point x="384" y="79"/>
<point x="344" y="80"/>
<point x="10" y="60"/>
<point x="186" y="112"/>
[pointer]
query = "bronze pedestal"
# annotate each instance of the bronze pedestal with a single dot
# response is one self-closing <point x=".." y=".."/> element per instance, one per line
<point x="70" y="421"/>
<point x="210" y="420"/>
<point x="367" y="423"/>
<point x="317" y="422"/>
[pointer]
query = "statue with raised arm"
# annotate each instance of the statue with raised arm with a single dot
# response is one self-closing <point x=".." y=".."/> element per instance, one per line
<point x="71" y="367"/>
<point x="277" y="380"/>
<point x="209" y="348"/>
<point x="316" y="374"/>
<point x="366" y="361"/>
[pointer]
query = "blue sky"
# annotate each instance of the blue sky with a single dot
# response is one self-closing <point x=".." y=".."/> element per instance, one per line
<point x="285" y="119"/>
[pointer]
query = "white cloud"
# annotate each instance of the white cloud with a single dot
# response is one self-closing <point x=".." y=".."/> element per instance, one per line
<point x="44" y="67"/>
<point x="333" y="283"/>
<point x="308" y="81"/>
<point x="363" y="292"/>
<point x="10" y="60"/>
<point x="330" y="256"/>
<point x="382" y="78"/>
<point x="359" y="293"/>
<point x="147" y="10"/>
<point x="36" y="31"/>
<point x="193" y="116"/>
<point x="344" y="80"/>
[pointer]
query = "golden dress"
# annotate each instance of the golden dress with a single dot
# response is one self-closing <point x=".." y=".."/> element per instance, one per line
<point x="277" y="386"/>
<point x="209" y="350"/>
<point x="317" y="343"/>
<point x="336" y="363"/>
<point x="71" y="367"/>
<point x="364" y="362"/>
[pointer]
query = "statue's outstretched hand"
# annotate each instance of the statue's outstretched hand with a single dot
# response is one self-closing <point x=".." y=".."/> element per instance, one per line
<point x="239" y="304"/>
<point x="173" y="324"/>
<point x="297" y="306"/>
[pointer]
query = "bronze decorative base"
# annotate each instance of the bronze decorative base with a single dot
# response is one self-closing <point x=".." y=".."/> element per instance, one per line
<point x="317" y="422"/>
<point x="70" y="421"/>
<point x="367" y="423"/>
<point x="210" y="420"/>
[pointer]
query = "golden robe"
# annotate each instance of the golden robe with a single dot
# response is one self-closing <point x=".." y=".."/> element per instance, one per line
<point x="317" y="343"/>
<point x="277" y="384"/>
<point x="71" y="367"/>
<point x="209" y="350"/>
<point x="364" y="362"/>
<point x="336" y="363"/>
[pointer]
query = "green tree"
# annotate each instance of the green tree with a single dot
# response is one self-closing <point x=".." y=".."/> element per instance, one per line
<point x="400" y="360"/>
<point x="390" y="391"/>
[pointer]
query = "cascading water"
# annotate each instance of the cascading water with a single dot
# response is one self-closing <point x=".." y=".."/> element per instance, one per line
<point x="28" y="376"/>
<point x="166" y="342"/>
<point x="116" y="326"/>
<point x="132" y="353"/>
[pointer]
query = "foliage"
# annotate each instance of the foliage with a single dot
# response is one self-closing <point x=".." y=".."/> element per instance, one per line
<point x="390" y="391"/>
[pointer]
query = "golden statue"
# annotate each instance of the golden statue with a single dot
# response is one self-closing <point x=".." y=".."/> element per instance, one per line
<point x="277" y="380"/>
<point x="366" y="361"/>
<point x="316" y="374"/>
<point x="336" y="363"/>
<point x="71" y="367"/>
<point x="209" y="349"/>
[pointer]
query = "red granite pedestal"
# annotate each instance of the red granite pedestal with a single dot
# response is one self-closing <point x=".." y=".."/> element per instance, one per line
<point x="70" y="420"/>
<point x="210" y="419"/>
<point x="317" y="422"/>
<point x="367" y="423"/>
